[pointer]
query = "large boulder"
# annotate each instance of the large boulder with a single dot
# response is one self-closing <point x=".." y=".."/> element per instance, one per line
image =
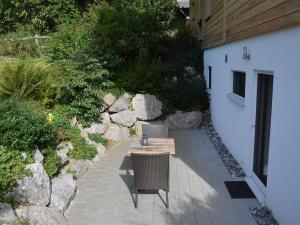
<point x="184" y="120"/>
<point x="116" y="133"/>
<point x="77" y="167"/>
<point x="99" y="128"/>
<point x="41" y="215"/>
<point x="120" y="104"/>
<point x="7" y="214"/>
<point x="34" y="189"/>
<point x="63" y="191"/>
<point x="125" y="118"/>
<point x="38" y="157"/>
<point x="107" y="100"/>
<point x="62" y="151"/>
<point x="139" y="125"/>
<point x="146" y="107"/>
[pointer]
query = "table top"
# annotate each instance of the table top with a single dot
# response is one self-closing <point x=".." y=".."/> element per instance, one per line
<point x="156" y="146"/>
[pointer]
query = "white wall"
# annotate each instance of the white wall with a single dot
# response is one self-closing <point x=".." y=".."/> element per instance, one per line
<point x="278" y="53"/>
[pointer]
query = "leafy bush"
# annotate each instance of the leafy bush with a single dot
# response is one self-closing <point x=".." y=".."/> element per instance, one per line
<point x="146" y="76"/>
<point x="98" y="139"/>
<point x="12" y="168"/>
<point x="132" y="131"/>
<point x="82" y="91"/>
<point x="81" y="149"/>
<point x="146" y="45"/>
<point x="23" y="126"/>
<point x="39" y="15"/>
<point x="137" y="47"/>
<point x="125" y="32"/>
<point x="28" y="80"/>
<point x="82" y="76"/>
<point x="51" y="161"/>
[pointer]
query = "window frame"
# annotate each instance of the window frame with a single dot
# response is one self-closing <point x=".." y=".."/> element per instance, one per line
<point x="239" y="83"/>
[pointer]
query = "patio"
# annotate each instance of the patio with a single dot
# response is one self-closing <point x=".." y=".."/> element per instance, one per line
<point x="197" y="191"/>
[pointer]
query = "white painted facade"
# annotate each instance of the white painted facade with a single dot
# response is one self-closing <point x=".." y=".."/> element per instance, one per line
<point x="277" y="54"/>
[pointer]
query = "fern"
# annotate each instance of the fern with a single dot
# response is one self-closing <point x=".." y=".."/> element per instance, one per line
<point x="27" y="80"/>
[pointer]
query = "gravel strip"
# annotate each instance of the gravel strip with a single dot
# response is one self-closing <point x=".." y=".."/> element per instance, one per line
<point x="231" y="164"/>
<point x="263" y="216"/>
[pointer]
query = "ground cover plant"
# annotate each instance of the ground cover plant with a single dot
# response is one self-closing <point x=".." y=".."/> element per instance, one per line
<point x="23" y="127"/>
<point x="12" y="168"/>
<point x="98" y="139"/>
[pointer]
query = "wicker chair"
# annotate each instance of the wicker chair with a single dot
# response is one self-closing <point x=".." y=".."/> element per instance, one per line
<point x="155" y="131"/>
<point x="151" y="173"/>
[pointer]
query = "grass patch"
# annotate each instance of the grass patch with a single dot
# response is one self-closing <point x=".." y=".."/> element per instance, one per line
<point x="132" y="131"/>
<point x="98" y="139"/>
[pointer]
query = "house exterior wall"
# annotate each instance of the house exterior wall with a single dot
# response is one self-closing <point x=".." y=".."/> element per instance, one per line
<point x="278" y="54"/>
<point x="225" y="21"/>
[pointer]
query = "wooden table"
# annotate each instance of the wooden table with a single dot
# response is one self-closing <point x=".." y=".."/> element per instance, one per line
<point x="156" y="146"/>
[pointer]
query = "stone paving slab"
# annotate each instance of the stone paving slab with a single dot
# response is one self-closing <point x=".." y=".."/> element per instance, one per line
<point x="198" y="195"/>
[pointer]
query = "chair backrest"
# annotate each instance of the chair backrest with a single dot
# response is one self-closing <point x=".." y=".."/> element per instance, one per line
<point x="155" y="130"/>
<point x="151" y="172"/>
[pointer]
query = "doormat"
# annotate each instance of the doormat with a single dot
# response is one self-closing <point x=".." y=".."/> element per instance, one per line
<point x="239" y="189"/>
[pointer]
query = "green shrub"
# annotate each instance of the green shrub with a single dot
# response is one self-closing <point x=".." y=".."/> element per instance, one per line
<point x="51" y="161"/>
<point x="167" y="109"/>
<point x="188" y="95"/>
<point x="23" y="126"/>
<point x="132" y="131"/>
<point x="146" y="76"/>
<point x="12" y="168"/>
<point x="82" y="77"/>
<point x="61" y="115"/>
<point x="126" y="31"/>
<point x="82" y="91"/>
<point x="146" y="44"/>
<point x="38" y="15"/>
<point x="28" y="80"/>
<point x="98" y="139"/>
<point x="81" y="149"/>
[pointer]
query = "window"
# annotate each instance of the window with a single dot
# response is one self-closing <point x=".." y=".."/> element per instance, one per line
<point x="239" y="83"/>
<point x="209" y="77"/>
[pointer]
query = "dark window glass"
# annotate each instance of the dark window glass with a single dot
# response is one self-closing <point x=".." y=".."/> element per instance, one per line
<point x="209" y="77"/>
<point x="239" y="83"/>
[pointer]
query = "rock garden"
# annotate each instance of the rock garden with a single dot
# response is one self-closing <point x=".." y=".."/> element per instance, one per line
<point x="43" y="197"/>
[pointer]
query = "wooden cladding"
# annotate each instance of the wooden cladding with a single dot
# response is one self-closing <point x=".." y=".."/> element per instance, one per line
<point x="233" y="20"/>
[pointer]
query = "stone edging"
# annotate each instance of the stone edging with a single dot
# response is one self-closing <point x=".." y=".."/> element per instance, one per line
<point x="262" y="215"/>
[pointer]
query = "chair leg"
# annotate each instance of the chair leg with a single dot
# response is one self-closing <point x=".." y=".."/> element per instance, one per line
<point x="136" y="199"/>
<point x="167" y="199"/>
